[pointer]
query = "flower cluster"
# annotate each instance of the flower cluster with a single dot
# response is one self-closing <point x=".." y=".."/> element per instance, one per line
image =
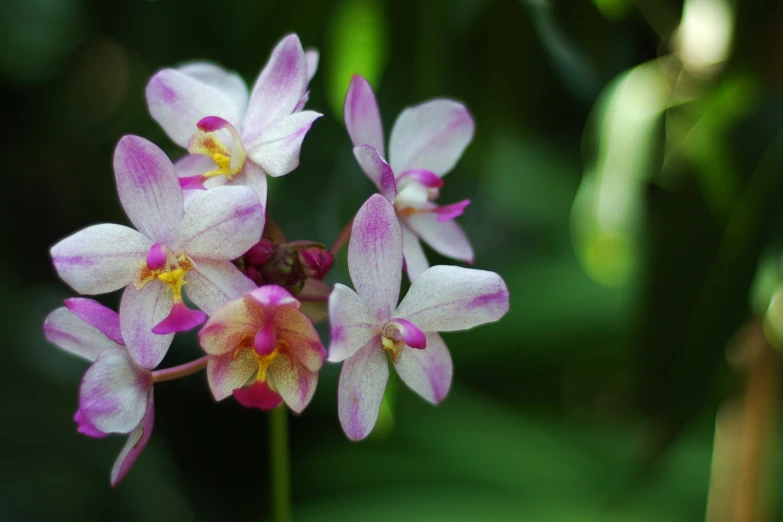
<point x="202" y="233"/>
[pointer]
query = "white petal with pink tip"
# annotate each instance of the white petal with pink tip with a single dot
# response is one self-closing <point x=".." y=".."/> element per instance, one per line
<point x="428" y="372"/>
<point x="113" y="394"/>
<point x="431" y="136"/>
<point x="375" y="256"/>
<point x="65" y="329"/>
<point x="100" y="258"/>
<point x="149" y="188"/>
<point x="447" y="298"/>
<point x="360" y="391"/>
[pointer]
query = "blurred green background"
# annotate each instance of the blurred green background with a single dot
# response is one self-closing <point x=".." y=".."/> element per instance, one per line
<point x="627" y="182"/>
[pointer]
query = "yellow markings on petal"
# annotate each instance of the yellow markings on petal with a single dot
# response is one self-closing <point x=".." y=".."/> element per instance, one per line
<point x="392" y="342"/>
<point x="229" y="162"/>
<point x="172" y="275"/>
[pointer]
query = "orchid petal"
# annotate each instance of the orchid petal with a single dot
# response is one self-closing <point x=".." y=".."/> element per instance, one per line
<point x="229" y="83"/>
<point x="100" y="258"/>
<point x="69" y="332"/>
<point x="293" y="327"/>
<point x="449" y="212"/>
<point x="428" y="372"/>
<point x="140" y="311"/>
<point x="360" y="391"/>
<point x="352" y="323"/>
<point x="362" y="117"/>
<point x="137" y="441"/>
<point x="273" y="296"/>
<point x="430" y="136"/>
<point x="445" y="237"/>
<point x="258" y="395"/>
<point x="149" y="188"/>
<point x="215" y="282"/>
<point x="106" y="320"/>
<point x="375" y="255"/>
<point x="311" y="57"/>
<point x="278" y="89"/>
<point x="113" y="393"/>
<point x="377" y="170"/>
<point x="85" y="427"/>
<point x="295" y="383"/>
<point x="178" y="100"/>
<point x="222" y="223"/>
<point x="277" y="149"/>
<point x="415" y="260"/>
<point x="226" y="373"/>
<point x="234" y="323"/>
<point x="447" y="298"/>
<point x="254" y="177"/>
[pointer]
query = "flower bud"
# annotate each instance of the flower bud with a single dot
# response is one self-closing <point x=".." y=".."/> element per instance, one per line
<point x="316" y="262"/>
<point x="260" y="253"/>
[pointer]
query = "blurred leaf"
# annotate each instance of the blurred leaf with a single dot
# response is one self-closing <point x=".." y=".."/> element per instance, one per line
<point x="358" y="44"/>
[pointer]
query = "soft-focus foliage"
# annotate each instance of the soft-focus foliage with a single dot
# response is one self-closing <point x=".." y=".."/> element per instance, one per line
<point x="594" y="399"/>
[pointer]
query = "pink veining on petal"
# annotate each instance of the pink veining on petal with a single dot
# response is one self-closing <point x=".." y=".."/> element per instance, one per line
<point x="265" y="340"/>
<point x="273" y="295"/>
<point x="411" y="334"/>
<point x="85" y="427"/>
<point x="452" y="211"/>
<point x="181" y="319"/>
<point x="426" y="177"/>
<point x="106" y="320"/>
<point x="193" y="182"/>
<point x="257" y="395"/>
<point x="156" y="257"/>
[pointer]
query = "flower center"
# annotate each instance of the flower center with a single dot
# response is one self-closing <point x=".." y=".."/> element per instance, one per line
<point x="170" y="272"/>
<point x="229" y="162"/>
<point x="392" y="341"/>
<point x="264" y="361"/>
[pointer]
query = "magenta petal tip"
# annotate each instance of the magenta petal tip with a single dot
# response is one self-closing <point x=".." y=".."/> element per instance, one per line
<point x="411" y="334"/>
<point x="193" y="182"/>
<point x="258" y="395"/>
<point x="181" y="319"/>
<point x="452" y="211"/>
<point x="85" y="427"/>
<point x="212" y="124"/>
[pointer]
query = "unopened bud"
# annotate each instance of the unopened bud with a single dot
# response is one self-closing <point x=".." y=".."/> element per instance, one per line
<point x="316" y="262"/>
<point x="260" y="253"/>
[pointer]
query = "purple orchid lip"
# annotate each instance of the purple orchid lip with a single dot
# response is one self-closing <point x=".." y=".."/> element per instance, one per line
<point x="157" y="256"/>
<point x="449" y="212"/>
<point x="180" y="319"/>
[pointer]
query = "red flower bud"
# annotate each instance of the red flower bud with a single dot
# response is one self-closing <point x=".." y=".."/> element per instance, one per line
<point x="316" y="262"/>
<point x="260" y="253"/>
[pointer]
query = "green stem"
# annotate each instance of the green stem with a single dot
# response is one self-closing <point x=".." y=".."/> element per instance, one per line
<point x="281" y="469"/>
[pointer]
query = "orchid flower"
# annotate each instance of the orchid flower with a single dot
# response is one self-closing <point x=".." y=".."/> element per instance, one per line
<point x="426" y="142"/>
<point x="173" y="248"/>
<point x="366" y="324"/>
<point x="233" y="138"/>
<point x="116" y="392"/>
<point x="263" y="350"/>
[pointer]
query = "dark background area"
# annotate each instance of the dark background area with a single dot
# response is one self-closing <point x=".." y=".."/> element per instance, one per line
<point x="595" y="398"/>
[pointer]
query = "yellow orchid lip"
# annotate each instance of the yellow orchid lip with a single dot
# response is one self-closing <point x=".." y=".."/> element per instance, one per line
<point x="206" y="142"/>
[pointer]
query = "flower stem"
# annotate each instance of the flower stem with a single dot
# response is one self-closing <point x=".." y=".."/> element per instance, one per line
<point x="281" y="470"/>
<point x="175" y="372"/>
<point x="342" y="238"/>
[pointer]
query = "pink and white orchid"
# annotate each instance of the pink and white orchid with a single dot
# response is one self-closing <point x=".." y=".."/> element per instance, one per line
<point x="426" y="142"/>
<point x="366" y="324"/>
<point x="173" y="248"/>
<point x="116" y="392"/>
<point x="263" y="350"/>
<point x="234" y="138"/>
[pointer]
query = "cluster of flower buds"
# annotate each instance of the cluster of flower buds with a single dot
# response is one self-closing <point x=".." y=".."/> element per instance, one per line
<point x="201" y="232"/>
<point x="275" y="261"/>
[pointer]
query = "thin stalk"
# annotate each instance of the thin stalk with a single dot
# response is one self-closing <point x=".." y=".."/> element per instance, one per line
<point x="175" y="372"/>
<point x="342" y="238"/>
<point x="281" y="467"/>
